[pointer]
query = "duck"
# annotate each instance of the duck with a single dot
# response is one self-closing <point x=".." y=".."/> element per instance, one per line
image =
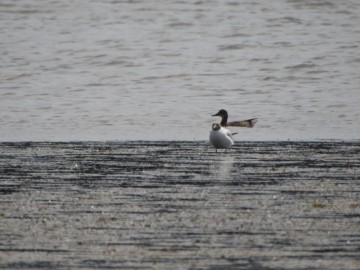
<point x="243" y="123"/>
<point x="220" y="137"/>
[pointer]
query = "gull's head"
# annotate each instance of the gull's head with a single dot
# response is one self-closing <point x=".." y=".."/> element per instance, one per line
<point x="221" y="113"/>
<point x="216" y="126"/>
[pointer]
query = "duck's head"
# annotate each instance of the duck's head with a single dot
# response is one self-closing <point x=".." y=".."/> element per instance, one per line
<point x="222" y="113"/>
<point x="216" y="126"/>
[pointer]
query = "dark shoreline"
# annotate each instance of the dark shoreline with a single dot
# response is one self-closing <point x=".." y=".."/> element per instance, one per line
<point x="178" y="204"/>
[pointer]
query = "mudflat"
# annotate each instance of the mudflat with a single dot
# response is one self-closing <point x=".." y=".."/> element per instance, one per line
<point x="179" y="205"/>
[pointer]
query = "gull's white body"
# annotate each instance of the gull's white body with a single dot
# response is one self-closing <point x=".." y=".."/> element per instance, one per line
<point x="221" y="137"/>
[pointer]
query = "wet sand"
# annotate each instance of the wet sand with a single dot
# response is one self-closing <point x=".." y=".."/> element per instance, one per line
<point x="180" y="205"/>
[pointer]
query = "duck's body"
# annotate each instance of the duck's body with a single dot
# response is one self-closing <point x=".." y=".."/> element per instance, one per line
<point x="243" y="123"/>
<point x="220" y="137"/>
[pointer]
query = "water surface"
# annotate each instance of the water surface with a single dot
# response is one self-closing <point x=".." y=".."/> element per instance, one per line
<point x="179" y="205"/>
<point x="157" y="70"/>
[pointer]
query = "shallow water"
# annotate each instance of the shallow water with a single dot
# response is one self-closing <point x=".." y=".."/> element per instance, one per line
<point x="179" y="205"/>
<point x="157" y="70"/>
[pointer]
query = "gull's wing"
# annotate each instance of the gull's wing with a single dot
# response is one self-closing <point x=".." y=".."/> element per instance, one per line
<point x="229" y="134"/>
<point x="244" y="123"/>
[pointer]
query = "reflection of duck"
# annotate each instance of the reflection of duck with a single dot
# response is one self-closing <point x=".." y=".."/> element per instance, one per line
<point x="221" y="137"/>
<point x="244" y="123"/>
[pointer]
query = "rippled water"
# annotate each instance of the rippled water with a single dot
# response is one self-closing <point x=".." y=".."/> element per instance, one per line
<point x="105" y="70"/>
<point x="179" y="205"/>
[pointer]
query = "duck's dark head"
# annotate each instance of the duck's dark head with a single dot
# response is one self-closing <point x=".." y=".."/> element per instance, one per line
<point x="224" y="116"/>
<point x="216" y="126"/>
<point x="222" y="113"/>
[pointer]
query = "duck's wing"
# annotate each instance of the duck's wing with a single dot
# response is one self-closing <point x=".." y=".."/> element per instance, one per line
<point x="244" y="123"/>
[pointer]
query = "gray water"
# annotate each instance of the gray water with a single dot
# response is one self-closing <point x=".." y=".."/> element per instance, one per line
<point x="157" y="70"/>
<point x="179" y="205"/>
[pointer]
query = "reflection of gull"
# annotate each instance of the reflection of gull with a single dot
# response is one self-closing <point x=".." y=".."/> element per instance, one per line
<point x="221" y="137"/>
<point x="225" y="167"/>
